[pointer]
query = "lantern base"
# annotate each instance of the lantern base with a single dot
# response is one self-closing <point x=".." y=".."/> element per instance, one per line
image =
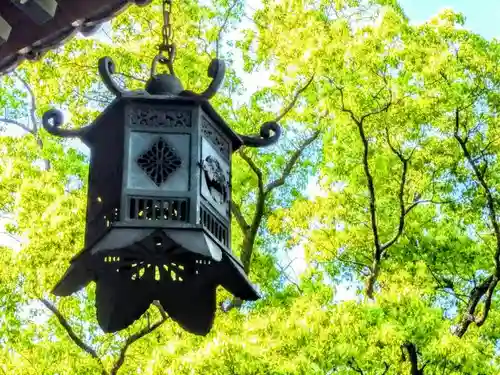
<point x="156" y="267"/>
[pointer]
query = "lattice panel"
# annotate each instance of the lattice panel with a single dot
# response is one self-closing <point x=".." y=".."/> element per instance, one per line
<point x="214" y="226"/>
<point x="217" y="140"/>
<point x="140" y="269"/>
<point x="141" y="208"/>
<point x="159" y="161"/>
<point x="159" y="118"/>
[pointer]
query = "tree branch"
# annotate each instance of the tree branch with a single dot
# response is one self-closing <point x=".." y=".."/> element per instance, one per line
<point x="205" y="45"/>
<point x="354" y="366"/>
<point x="93" y="70"/>
<point x="251" y="233"/>
<point x="32" y="113"/>
<point x="487" y="191"/>
<point x="283" y="272"/>
<point x="423" y="201"/>
<point x="71" y="333"/>
<point x="223" y="27"/>
<point x="249" y="240"/>
<point x="11" y="236"/>
<point x="413" y="357"/>
<point x="378" y="251"/>
<point x="487" y="303"/>
<point x="102" y="101"/>
<point x="290" y="106"/>
<point x="31" y="95"/>
<point x="402" y="185"/>
<point x="137" y="336"/>
<point x="17" y="123"/>
<point x="373" y="212"/>
<point x="445" y="284"/>
<point x="235" y="303"/>
<point x="254" y="168"/>
<point x="384" y="108"/>
<point x="291" y="163"/>
<point x="236" y="209"/>
<point x="488" y="286"/>
<point x="130" y="76"/>
<point x="33" y="132"/>
<point x="343" y="108"/>
<point x="160" y="308"/>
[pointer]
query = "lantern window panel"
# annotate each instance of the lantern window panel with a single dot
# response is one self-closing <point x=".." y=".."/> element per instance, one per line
<point x="158" y="161"/>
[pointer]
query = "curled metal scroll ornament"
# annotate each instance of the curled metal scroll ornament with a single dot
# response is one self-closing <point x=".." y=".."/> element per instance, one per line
<point x="52" y="121"/>
<point x="216" y="71"/>
<point x="265" y="138"/>
<point x="106" y="69"/>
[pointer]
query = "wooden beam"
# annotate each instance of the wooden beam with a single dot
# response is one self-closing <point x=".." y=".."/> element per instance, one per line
<point x="26" y="34"/>
<point x="5" y="29"/>
<point x="40" y="11"/>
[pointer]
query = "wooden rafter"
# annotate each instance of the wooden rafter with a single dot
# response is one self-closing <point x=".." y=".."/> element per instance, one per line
<point x="5" y="30"/>
<point x="32" y="27"/>
<point x="40" y="11"/>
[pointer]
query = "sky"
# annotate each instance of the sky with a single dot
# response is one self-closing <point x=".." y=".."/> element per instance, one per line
<point x="482" y="16"/>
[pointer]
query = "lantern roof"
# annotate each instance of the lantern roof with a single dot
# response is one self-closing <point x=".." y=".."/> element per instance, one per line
<point x="122" y="300"/>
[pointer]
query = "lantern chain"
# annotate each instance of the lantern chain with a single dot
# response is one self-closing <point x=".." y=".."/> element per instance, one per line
<point x="166" y="48"/>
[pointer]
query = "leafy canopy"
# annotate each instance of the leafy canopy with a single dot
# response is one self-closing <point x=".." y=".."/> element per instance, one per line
<point x="386" y="182"/>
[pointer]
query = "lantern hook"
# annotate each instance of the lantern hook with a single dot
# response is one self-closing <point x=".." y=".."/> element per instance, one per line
<point x="160" y="58"/>
<point x="216" y="71"/>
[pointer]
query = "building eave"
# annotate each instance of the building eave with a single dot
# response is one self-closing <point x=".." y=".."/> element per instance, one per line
<point x="28" y="39"/>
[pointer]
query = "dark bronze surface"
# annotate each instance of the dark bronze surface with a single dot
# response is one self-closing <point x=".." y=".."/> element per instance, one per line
<point x="156" y="268"/>
<point x="155" y="241"/>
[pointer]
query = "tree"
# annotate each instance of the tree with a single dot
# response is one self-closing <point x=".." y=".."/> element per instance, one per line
<point x="395" y="90"/>
<point x="396" y="122"/>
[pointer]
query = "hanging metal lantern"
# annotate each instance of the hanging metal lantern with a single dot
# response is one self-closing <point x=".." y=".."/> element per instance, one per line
<point x="159" y="193"/>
